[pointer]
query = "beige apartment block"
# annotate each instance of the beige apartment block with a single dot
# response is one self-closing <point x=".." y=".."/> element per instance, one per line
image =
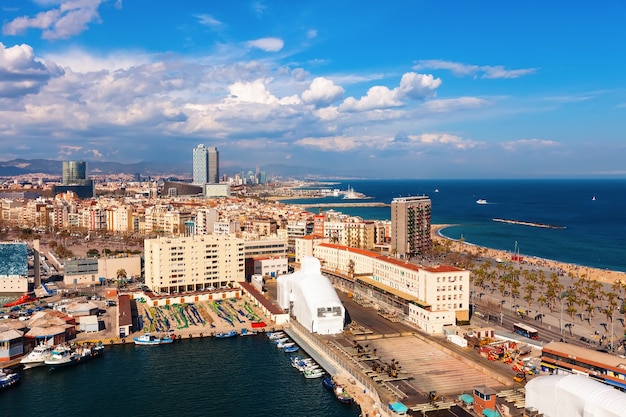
<point x="193" y="263"/>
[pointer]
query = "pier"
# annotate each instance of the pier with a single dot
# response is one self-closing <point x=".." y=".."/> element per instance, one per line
<point x="330" y="205"/>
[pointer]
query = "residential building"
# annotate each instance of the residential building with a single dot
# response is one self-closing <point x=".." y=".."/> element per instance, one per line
<point x="410" y="226"/>
<point x="193" y="263"/>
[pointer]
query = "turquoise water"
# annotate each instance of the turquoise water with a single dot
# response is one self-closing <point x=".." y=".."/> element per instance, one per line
<point x="593" y="230"/>
<point x="241" y="376"/>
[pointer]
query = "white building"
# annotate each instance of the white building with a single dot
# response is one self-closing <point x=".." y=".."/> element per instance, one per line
<point x="193" y="263"/>
<point x="573" y="395"/>
<point x="311" y="299"/>
<point x="270" y="266"/>
<point x="436" y="296"/>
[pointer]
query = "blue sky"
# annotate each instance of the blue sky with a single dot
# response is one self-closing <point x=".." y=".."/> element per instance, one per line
<point x="400" y="89"/>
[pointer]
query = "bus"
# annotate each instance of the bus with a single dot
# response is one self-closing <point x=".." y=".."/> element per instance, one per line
<point x="525" y="331"/>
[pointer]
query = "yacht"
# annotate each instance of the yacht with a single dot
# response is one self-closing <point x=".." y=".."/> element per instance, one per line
<point x="481" y="201"/>
<point x="37" y="357"/>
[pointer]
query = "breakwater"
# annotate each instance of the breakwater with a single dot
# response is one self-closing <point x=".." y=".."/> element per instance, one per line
<point x="525" y="223"/>
<point x="323" y="205"/>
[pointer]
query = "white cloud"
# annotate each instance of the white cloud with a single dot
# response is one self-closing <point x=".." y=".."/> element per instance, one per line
<point x="451" y="104"/>
<point x="444" y="139"/>
<point x="22" y="73"/>
<point x="251" y="92"/>
<point x="210" y="21"/>
<point x="412" y="86"/>
<point x="528" y="144"/>
<point x="336" y="143"/>
<point x="69" y="19"/>
<point x="417" y="86"/>
<point x="311" y="34"/>
<point x="322" y="91"/>
<point x="484" y="71"/>
<point x="81" y="61"/>
<point x="267" y="44"/>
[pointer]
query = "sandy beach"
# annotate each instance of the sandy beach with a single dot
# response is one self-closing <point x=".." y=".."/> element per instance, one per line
<point x="597" y="274"/>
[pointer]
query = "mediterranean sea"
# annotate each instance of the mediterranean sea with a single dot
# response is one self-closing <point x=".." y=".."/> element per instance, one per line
<point x="240" y="376"/>
<point x="590" y="214"/>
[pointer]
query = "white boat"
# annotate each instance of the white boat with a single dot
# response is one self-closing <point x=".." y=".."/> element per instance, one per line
<point x="59" y="356"/>
<point x="280" y="341"/>
<point x="285" y="345"/>
<point x="481" y="201"/>
<point x="148" y="339"/>
<point x="275" y="335"/>
<point x="37" y="357"/>
<point x="314" y="373"/>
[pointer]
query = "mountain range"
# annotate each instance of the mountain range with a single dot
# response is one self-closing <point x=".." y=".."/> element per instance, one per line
<point x="17" y="167"/>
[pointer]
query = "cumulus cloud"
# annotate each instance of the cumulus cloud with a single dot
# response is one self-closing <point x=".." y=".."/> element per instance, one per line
<point x="321" y="92"/>
<point x="267" y="44"/>
<point x="412" y="86"/>
<point x="483" y="71"/>
<point x="528" y="144"/>
<point x="336" y="143"/>
<point x="69" y="19"/>
<point x="444" y="139"/>
<point x="22" y="73"/>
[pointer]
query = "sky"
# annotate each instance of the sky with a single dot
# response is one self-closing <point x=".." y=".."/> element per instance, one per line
<point x="395" y="89"/>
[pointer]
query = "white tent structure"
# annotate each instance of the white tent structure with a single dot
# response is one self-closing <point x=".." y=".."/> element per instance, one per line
<point x="574" y="396"/>
<point x="311" y="299"/>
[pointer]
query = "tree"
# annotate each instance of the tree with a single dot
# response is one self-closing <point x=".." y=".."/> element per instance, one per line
<point x="121" y="277"/>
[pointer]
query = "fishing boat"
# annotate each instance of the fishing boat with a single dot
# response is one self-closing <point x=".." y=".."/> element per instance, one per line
<point x="8" y="378"/>
<point x="342" y="395"/>
<point x="37" y="357"/>
<point x="148" y="339"/>
<point x="59" y="356"/>
<point x="246" y="332"/>
<point x="64" y="355"/>
<point x="223" y="335"/>
<point x="280" y="341"/>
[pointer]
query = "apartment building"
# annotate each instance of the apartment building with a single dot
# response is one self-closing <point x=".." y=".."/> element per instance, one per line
<point x="193" y="263"/>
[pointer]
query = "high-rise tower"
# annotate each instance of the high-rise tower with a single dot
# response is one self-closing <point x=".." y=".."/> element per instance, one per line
<point x="200" y="165"/>
<point x="74" y="173"/>
<point x="214" y="165"/>
<point x="410" y="226"/>
<point x="205" y="165"/>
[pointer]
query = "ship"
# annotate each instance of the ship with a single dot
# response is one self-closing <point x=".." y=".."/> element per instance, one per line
<point x="481" y="201"/>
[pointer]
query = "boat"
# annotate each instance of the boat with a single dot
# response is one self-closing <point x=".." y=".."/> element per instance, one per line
<point x="593" y="198"/>
<point x="342" y="395"/>
<point x="25" y="298"/>
<point x="481" y="201"/>
<point x="64" y="355"/>
<point x="37" y="357"/>
<point x="148" y="339"/>
<point x="59" y="356"/>
<point x="223" y="335"/>
<point x="328" y="383"/>
<point x="275" y="335"/>
<point x="286" y="344"/>
<point x="246" y="332"/>
<point x="313" y="373"/>
<point x="281" y="340"/>
<point x="291" y="349"/>
<point x="8" y="378"/>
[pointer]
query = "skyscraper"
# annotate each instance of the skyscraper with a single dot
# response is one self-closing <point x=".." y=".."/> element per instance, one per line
<point x="410" y="226"/>
<point x="74" y="173"/>
<point x="205" y="165"/>
<point x="214" y="165"/>
<point x="200" y="165"/>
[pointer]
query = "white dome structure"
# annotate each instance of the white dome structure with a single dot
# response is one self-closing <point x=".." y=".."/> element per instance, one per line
<point x="311" y="299"/>
<point x="574" y="395"/>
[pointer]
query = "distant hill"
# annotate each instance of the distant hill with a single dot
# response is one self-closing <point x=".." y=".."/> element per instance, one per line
<point x="17" y="167"/>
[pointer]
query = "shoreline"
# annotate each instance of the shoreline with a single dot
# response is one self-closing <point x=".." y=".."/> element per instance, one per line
<point x="597" y="274"/>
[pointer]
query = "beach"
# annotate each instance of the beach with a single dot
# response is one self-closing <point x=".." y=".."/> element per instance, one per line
<point x="602" y="275"/>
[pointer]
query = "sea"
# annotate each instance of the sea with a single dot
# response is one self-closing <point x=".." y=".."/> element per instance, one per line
<point x="239" y="376"/>
<point x="589" y="215"/>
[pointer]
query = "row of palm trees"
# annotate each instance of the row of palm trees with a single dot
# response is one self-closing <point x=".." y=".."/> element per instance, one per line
<point x="582" y="296"/>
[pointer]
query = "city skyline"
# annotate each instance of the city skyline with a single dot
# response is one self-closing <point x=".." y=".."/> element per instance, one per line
<point x="417" y="90"/>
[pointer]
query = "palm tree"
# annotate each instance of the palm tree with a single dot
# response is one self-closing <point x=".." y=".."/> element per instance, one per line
<point x="121" y="277"/>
